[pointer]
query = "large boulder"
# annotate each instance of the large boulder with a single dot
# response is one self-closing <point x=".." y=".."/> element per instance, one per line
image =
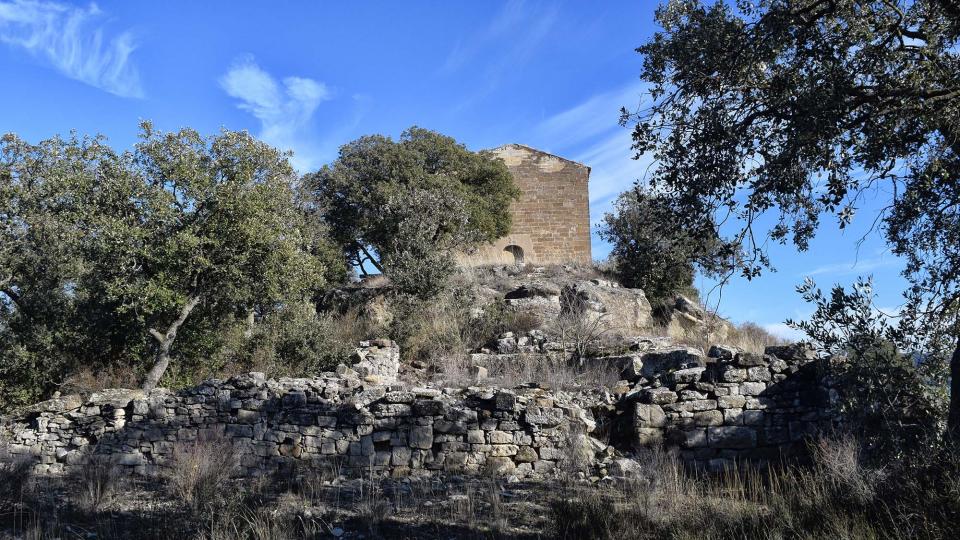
<point x="624" y="312"/>
<point x="688" y="320"/>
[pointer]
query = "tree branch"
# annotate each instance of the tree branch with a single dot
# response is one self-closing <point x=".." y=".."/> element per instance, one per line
<point x="370" y="257"/>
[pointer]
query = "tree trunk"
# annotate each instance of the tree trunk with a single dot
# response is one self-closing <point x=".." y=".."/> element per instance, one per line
<point x="165" y="341"/>
<point x="251" y="323"/>
<point x="953" y="420"/>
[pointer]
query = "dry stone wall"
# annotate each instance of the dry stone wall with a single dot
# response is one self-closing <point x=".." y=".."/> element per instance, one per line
<point x="728" y="407"/>
<point x="715" y="410"/>
<point x="359" y="418"/>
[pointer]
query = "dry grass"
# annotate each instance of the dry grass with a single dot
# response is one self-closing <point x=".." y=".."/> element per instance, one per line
<point x="88" y="380"/>
<point x="550" y="371"/>
<point x="98" y="481"/>
<point x="15" y="480"/>
<point x="752" y="337"/>
<point x="198" y="472"/>
<point x="838" y="497"/>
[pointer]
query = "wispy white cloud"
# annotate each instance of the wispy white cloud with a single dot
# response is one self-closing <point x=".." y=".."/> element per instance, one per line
<point x="72" y="41"/>
<point x="595" y="116"/>
<point x="589" y="132"/>
<point x="284" y="108"/>
<point x="506" y="44"/>
<point x="853" y="267"/>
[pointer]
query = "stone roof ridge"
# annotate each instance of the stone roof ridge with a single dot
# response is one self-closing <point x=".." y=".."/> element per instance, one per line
<point x="538" y="151"/>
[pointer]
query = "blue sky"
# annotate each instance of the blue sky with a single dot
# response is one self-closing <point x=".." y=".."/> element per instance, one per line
<point x="310" y="76"/>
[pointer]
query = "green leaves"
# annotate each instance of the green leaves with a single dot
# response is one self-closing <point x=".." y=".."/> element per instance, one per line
<point x="657" y="248"/>
<point x="407" y="207"/>
<point x="98" y="248"/>
<point x="775" y="98"/>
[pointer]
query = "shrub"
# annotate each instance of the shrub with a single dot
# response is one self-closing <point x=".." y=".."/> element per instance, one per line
<point x="575" y="328"/>
<point x="198" y="471"/>
<point x="892" y="391"/>
<point x="98" y="481"/>
<point x="658" y="249"/>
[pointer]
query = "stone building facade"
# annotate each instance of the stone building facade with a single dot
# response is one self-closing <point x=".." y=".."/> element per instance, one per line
<point x="551" y="221"/>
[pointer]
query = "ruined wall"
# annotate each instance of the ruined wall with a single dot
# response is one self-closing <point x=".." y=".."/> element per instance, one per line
<point x="357" y="417"/>
<point x="551" y="221"/>
<point x="727" y="408"/>
<point x="716" y="411"/>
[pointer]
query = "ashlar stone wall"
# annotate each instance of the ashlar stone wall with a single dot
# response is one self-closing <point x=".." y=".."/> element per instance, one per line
<point x="551" y="221"/>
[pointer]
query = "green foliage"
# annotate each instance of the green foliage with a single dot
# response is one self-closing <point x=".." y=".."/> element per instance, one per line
<point x="106" y="258"/>
<point x="892" y="391"/>
<point x="778" y="97"/>
<point x="657" y="248"/>
<point x="45" y="326"/>
<point x="299" y="342"/>
<point x="803" y="109"/>
<point x="407" y="207"/>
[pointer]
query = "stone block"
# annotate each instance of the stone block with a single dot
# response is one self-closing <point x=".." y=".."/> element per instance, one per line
<point x="691" y="395"/>
<point x="502" y="450"/>
<point x="421" y="437"/>
<point x="752" y="388"/>
<point x="429" y="407"/>
<point x="708" y="418"/>
<point x="543" y="416"/>
<point x="526" y="454"/>
<point x="754" y="418"/>
<point x="400" y="455"/>
<point x="722" y="352"/>
<point x="748" y="359"/>
<point x="732" y="374"/>
<point x="500" y="466"/>
<point x="643" y="437"/>
<point x="731" y="402"/>
<point x="543" y="467"/>
<point x="648" y="415"/>
<point x="658" y="396"/>
<point x="391" y="409"/>
<point x="733" y="417"/>
<point x="758" y="374"/>
<point x="732" y="437"/>
<point x="398" y="397"/>
<point x="688" y="375"/>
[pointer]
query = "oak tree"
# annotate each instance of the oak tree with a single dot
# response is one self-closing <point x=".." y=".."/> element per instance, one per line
<point x="407" y="207"/>
<point x="803" y="108"/>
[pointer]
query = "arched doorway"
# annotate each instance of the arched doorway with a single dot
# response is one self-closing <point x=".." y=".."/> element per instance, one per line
<point x="517" y="253"/>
